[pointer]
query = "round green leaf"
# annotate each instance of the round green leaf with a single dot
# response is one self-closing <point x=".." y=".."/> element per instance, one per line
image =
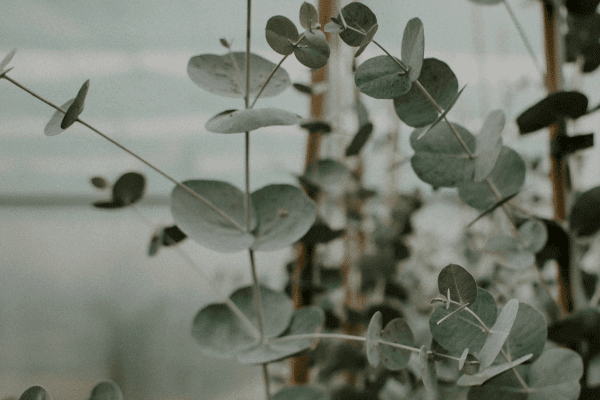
<point x="358" y="16"/>
<point x="127" y="190"/>
<point x="413" y="48"/>
<point x="428" y="372"/>
<point x="76" y="108"/>
<point x="309" y="17"/>
<point x="206" y="223"/>
<point x="313" y="51"/>
<point x="281" y="34"/>
<point x="584" y="219"/>
<point x="534" y="235"/>
<point x="462" y="330"/>
<point x="528" y="333"/>
<point x="496" y="376"/>
<point x="510" y="251"/>
<point x="220" y="333"/>
<point x="439" y="158"/>
<point x="306" y="320"/>
<point x="239" y="121"/>
<point x="508" y="176"/>
<point x="367" y="39"/>
<point x="499" y="334"/>
<point x="106" y="390"/>
<point x="373" y="336"/>
<point x="222" y="76"/>
<point x="459" y="282"/>
<point x="555" y="375"/>
<point x="35" y="393"/>
<point x="300" y="393"/>
<point x="489" y="144"/>
<point x="396" y="331"/>
<point x="437" y="78"/>
<point x="53" y="126"/>
<point x="381" y="78"/>
<point x="284" y="215"/>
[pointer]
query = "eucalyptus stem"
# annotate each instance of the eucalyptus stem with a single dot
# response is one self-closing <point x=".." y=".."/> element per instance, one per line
<point x="268" y="80"/>
<point x="131" y="153"/>
<point x="265" y="371"/>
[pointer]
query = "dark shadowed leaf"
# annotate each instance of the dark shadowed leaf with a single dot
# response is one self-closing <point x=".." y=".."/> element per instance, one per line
<point x="106" y="390"/>
<point x="127" y="190"/>
<point x="428" y="372"/>
<point x="219" y="74"/>
<point x="582" y="7"/>
<point x="304" y="321"/>
<point x="172" y="235"/>
<point x="508" y="176"/>
<point x="373" y="335"/>
<point x="437" y="78"/>
<point x="413" y="48"/>
<point x="547" y="111"/>
<point x="489" y="144"/>
<point x="359" y="140"/>
<point x="99" y="182"/>
<point x="239" y="121"/>
<point x="358" y="16"/>
<point x="316" y="127"/>
<point x="396" y="331"/>
<point x="499" y="334"/>
<point x="284" y="215"/>
<point x="320" y="232"/>
<point x="460" y="282"/>
<point x="53" y="126"/>
<point x="281" y="34"/>
<point x="76" y="108"/>
<point x="367" y="39"/>
<point x="584" y="219"/>
<point x="155" y="242"/>
<point x="303" y="88"/>
<point x="35" y="393"/>
<point x="462" y="330"/>
<point x="298" y="392"/>
<point x="309" y="17"/>
<point x="313" y="51"/>
<point x="204" y="224"/>
<point x="381" y="78"/>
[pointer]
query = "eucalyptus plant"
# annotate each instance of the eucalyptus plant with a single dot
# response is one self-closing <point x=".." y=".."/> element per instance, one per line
<point x="500" y="349"/>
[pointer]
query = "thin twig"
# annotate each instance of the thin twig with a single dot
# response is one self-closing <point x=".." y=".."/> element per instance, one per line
<point x="268" y="80"/>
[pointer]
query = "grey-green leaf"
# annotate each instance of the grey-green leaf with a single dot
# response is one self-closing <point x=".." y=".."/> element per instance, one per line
<point x="437" y="78"/>
<point x="76" y="108"/>
<point x="7" y="59"/>
<point x="223" y="75"/>
<point x="309" y="17"/>
<point x="462" y="330"/>
<point x="381" y="78"/>
<point x="546" y="381"/>
<point x="499" y="333"/>
<point x="301" y="393"/>
<point x="332" y="27"/>
<point x="373" y="335"/>
<point x="428" y="372"/>
<point x="481" y="377"/>
<point x="281" y="34"/>
<point x="489" y="144"/>
<point x="528" y="334"/>
<point x="313" y="51"/>
<point x="239" y="121"/>
<point x="35" y="393"/>
<point x="534" y="235"/>
<point x="508" y="176"/>
<point x="284" y="215"/>
<point x="106" y="390"/>
<point x="413" y="47"/>
<point x="510" y="252"/>
<point x="460" y="282"/>
<point x="358" y="16"/>
<point x="367" y="39"/>
<point x="53" y="126"/>
<point x="396" y="331"/>
<point x="208" y="224"/>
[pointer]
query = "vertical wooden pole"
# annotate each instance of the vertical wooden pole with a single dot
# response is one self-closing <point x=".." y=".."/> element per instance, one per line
<point x="305" y="254"/>
<point x="559" y="169"/>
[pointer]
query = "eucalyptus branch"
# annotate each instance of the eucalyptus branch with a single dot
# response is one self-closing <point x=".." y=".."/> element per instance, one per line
<point x="161" y="172"/>
<point x="268" y="80"/>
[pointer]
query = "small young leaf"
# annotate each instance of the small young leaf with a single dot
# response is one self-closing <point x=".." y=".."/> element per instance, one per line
<point x="172" y="235"/>
<point x="35" y="393"/>
<point x="499" y="333"/>
<point x="381" y="78"/>
<point x="99" y="182"/>
<point x="309" y="17"/>
<point x="459" y="282"/>
<point x="76" y="108"/>
<point x="219" y="74"/>
<point x="7" y="59"/>
<point x="367" y="39"/>
<point x="437" y="78"/>
<point x="396" y="331"/>
<point x="359" y="140"/>
<point x="281" y="34"/>
<point x="303" y="88"/>
<point x="313" y="51"/>
<point x="480" y="378"/>
<point x="413" y="48"/>
<point x="225" y="43"/>
<point x="239" y="121"/>
<point x="53" y="126"/>
<point x="106" y="390"/>
<point x="127" y="190"/>
<point x="373" y="335"/>
<point x="534" y="235"/>
<point x="584" y="219"/>
<point x="358" y="16"/>
<point x="284" y="215"/>
<point x="428" y="372"/>
<point x="489" y="144"/>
